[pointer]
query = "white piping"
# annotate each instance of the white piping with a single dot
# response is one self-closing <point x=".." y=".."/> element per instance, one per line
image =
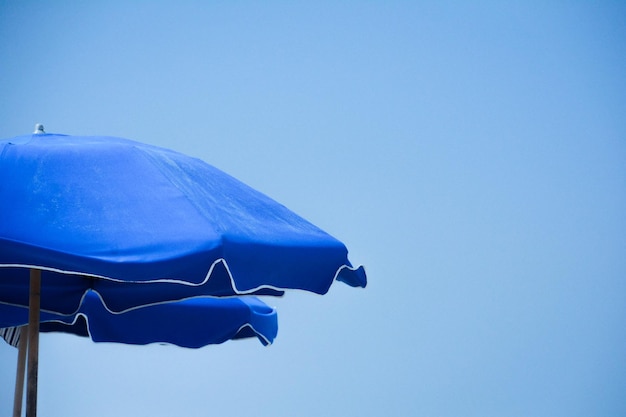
<point x="171" y="280"/>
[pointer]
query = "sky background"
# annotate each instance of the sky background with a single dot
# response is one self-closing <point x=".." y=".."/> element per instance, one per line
<point x="471" y="156"/>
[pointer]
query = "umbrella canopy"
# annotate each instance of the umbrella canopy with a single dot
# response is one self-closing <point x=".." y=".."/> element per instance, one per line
<point x="100" y="212"/>
<point x="139" y="225"/>
<point x="192" y="323"/>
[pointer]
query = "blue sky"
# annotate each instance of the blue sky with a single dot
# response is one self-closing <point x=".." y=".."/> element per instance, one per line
<point x="472" y="156"/>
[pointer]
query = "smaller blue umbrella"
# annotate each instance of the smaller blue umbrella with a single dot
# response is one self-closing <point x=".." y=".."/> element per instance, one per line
<point x="191" y="323"/>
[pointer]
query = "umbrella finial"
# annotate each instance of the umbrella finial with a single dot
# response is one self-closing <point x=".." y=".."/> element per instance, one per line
<point x="39" y="129"/>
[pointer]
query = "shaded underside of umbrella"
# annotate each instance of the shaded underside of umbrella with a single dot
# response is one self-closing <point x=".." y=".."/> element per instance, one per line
<point x="192" y="323"/>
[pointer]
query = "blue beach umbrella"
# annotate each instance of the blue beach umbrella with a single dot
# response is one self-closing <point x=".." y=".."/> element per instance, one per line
<point x="138" y="225"/>
<point x="100" y="212"/>
<point x="191" y="323"/>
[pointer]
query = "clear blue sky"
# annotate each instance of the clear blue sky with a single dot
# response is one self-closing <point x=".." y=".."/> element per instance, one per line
<point x="473" y="157"/>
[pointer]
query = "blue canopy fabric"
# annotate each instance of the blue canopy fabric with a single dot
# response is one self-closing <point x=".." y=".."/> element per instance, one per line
<point x="101" y="213"/>
<point x="137" y="225"/>
<point x="192" y="323"/>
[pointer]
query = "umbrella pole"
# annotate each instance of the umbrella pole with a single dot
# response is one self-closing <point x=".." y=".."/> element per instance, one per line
<point x="19" y="376"/>
<point x="33" y="342"/>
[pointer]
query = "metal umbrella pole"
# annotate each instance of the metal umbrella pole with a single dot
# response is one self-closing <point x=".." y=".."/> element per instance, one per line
<point x="33" y="342"/>
<point x="21" y="369"/>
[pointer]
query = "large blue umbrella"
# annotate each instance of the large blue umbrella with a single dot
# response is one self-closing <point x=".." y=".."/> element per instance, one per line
<point x="140" y="224"/>
<point x="99" y="212"/>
